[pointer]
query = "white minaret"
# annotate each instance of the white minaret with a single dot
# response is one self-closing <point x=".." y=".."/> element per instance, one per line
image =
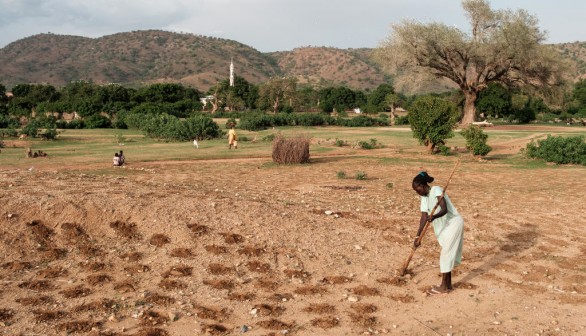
<point x="231" y="72"/>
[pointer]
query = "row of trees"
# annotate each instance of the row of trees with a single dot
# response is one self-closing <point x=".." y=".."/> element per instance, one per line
<point x="99" y="105"/>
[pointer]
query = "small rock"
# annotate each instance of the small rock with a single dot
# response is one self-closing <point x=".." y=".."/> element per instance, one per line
<point x="10" y="215"/>
<point x="357" y="247"/>
<point x="496" y="322"/>
<point x="173" y="316"/>
<point x="254" y="311"/>
<point x="353" y="298"/>
<point x="329" y="212"/>
<point x="113" y="318"/>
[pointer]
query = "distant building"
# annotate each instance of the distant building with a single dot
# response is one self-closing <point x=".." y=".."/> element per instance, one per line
<point x="231" y="72"/>
<point x="206" y="99"/>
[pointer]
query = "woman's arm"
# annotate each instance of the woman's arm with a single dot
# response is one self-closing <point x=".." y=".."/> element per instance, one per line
<point x="422" y="222"/>
<point x="443" y="211"/>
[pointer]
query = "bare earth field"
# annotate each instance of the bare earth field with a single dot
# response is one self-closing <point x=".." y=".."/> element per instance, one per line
<point x="242" y="246"/>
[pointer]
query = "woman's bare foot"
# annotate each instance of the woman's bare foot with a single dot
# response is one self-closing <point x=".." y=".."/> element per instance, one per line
<point x="437" y="290"/>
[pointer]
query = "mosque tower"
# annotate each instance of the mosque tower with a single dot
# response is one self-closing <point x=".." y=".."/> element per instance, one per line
<point x="231" y="72"/>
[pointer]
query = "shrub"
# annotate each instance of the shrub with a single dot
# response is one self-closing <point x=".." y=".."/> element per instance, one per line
<point x="402" y="120"/>
<point x="255" y="122"/>
<point x="432" y="121"/>
<point x="476" y="140"/>
<point x="97" y="121"/>
<point x="339" y="142"/>
<point x="559" y="149"/>
<point x="49" y="134"/>
<point x="9" y="133"/>
<point x="201" y="127"/>
<point x="444" y="150"/>
<point x="31" y="129"/>
<point x="287" y="151"/>
<point x="268" y="137"/>
<point x="341" y="174"/>
<point x="371" y="144"/>
<point x="360" y="175"/>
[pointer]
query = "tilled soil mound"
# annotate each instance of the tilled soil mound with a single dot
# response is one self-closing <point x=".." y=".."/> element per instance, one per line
<point x="241" y="247"/>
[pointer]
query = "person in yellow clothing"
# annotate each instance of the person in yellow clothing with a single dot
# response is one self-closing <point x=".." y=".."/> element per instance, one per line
<point x="232" y="138"/>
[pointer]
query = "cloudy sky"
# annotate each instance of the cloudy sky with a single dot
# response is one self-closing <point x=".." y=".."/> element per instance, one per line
<point x="267" y="25"/>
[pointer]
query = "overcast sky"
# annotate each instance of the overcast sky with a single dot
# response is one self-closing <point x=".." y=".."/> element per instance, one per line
<point x="268" y="25"/>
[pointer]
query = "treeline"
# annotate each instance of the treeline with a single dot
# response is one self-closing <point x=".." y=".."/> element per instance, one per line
<point x="38" y="109"/>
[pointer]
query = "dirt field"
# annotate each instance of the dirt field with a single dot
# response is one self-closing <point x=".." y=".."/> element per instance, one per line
<point x="226" y="247"/>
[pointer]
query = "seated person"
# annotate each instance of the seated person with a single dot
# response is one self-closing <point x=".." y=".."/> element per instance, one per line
<point x="116" y="160"/>
<point x="121" y="158"/>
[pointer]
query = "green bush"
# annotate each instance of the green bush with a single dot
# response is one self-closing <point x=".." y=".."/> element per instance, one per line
<point x="476" y="140"/>
<point x="268" y="137"/>
<point x="201" y="127"/>
<point x="49" y="134"/>
<point x="341" y="174"/>
<point x="8" y="133"/>
<point x="402" y="120"/>
<point x="559" y="149"/>
<point x="256" y="122"/>
<point x="432" y="121"/>
<point x="361" y="175"/>
<point x="371" y="144"/>
<point x="339" y="142"/>
<point x="97" y="121"/>
<point x="444" y="150"/>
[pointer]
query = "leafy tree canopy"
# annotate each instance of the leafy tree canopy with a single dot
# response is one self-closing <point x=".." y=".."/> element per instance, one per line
<point x="502" y="46"/>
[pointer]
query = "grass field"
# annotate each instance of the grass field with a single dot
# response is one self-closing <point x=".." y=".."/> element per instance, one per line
<point x="79" y="147"/>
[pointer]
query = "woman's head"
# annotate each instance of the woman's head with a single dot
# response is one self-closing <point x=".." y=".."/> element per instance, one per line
<point x="420" y="183"/>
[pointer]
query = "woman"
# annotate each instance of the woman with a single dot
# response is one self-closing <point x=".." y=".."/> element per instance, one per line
<point x="232" y="138"/>
<point x="448" y="226"/>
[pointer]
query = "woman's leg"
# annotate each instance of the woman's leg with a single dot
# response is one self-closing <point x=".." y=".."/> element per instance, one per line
<point x="446" y="284"/>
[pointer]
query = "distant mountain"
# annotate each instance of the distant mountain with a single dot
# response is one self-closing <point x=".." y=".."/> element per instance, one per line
<point x="142" y="57"/>
<point x="324" y="66"/>
<point x="139" y="57"/>
<point x="131" y="58"/>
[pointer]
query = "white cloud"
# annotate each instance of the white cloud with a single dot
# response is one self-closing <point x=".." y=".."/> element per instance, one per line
<point x="267" y="25"/>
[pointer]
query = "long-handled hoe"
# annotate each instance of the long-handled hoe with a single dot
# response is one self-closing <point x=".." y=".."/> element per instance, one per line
<point x="406" y="263"/>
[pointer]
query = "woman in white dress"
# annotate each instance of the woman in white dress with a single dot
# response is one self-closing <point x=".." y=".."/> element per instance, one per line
<point x="448" y="226"/>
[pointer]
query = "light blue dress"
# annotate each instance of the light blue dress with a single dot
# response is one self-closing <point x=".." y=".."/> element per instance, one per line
<point x="449" y="229"/>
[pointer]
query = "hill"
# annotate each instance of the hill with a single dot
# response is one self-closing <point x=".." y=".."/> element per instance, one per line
<point x="141" y="57"/>
<point x="324" y="66"/>
<point x="130" y="58"/>
<point x="138" y="57"/>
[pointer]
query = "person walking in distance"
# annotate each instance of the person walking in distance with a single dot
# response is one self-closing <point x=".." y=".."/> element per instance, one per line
<point x="232" y="138"/>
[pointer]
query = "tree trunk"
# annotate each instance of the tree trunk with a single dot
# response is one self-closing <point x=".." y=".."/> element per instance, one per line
<point x="469" y="108"/>
<point x="276" y="106"/>
<point x="393" y="115"/>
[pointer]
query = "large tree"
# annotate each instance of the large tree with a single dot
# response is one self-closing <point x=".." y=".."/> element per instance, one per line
<point x="278" y="91"/>
<point x="502" y="46"/>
